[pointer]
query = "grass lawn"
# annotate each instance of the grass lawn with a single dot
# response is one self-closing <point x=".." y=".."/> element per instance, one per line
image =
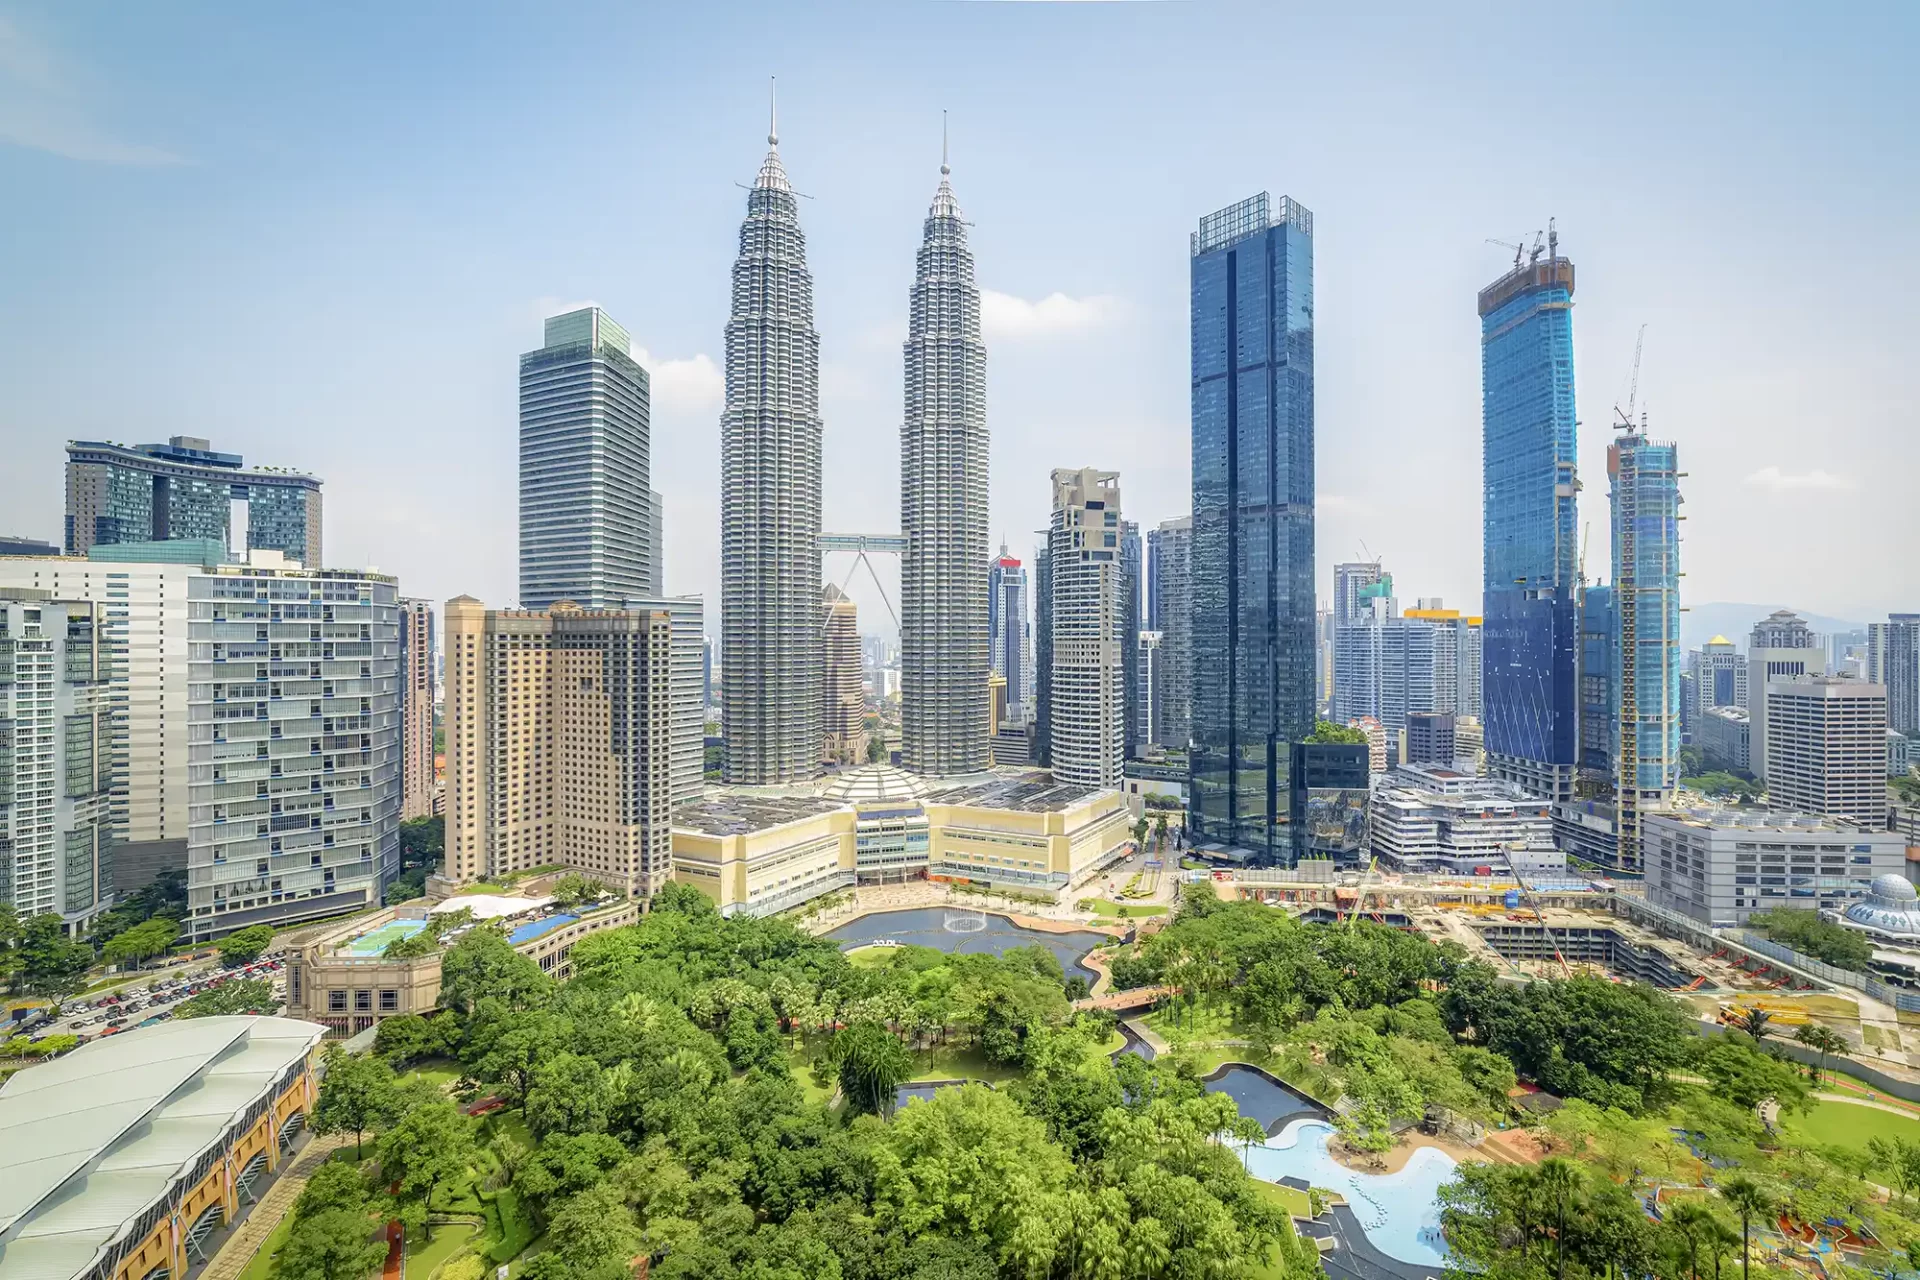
<point x="872" y="957"/>
<point x="1294" y="1202"/>
<point x="1847" y="1124"/>
<point x="803" y="1076"/>
<point x="960" y="1064"/>
<point x="1114" y="1044"/>
<point x="1113" y="907"/>
<point x="424" y="1256"/>
<point x="261" y="1267"/>
<point x="436" y="1071"/>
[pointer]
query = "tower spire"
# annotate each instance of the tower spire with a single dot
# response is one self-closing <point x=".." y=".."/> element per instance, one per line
<point x="773" y="111"/>
<point x="944" y="170"/>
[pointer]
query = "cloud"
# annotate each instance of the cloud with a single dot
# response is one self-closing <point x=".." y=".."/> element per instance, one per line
<point x="41" y="108"/>
<point x="1778" y="481"/>
<point x="684" y="386"/>
<point x="1002" y="315"/>
<point x="1332" y="502"/>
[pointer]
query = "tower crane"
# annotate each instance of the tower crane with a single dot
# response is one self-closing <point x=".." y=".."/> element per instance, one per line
<point x="1633" y="387"/>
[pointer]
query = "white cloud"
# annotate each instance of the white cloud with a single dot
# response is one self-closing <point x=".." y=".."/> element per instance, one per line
<point x="1002" y="315"/>
<point x="684" y="386"/>
<point x="1331" y="502"/>
<point x="1778" y="481"/>
<point x="41" y="108"/>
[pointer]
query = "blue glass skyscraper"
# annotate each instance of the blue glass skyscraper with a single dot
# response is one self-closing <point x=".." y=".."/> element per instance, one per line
<point x="1252" y="558"/>
<point x="1645" y="502"/>
<point x="1532" y="629"/>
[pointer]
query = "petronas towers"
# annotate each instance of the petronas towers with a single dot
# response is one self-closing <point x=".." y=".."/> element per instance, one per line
<point x="771" y="650"/>
<point x="943" y="506"/>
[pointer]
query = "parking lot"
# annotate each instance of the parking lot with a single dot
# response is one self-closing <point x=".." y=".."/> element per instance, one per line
<point x="143" y="1004"/>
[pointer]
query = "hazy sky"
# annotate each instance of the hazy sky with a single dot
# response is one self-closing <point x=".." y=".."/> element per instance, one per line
<point x="321" y="235"/>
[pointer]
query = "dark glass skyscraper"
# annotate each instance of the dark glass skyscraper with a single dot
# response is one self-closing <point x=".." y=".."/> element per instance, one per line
<point x="1532" y="628"/>
<point x="1252" y="559"/>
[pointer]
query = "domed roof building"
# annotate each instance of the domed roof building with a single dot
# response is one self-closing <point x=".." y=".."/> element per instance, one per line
<point x="874" y="783"/>
<point x="1889" y="913"/>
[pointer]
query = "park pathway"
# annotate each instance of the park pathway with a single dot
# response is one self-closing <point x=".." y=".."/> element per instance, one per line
<point x="237" y="1250"/>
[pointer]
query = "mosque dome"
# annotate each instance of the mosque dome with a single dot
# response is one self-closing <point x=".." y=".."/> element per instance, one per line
<point x="1891" y="907"/>
<point x="874" y="783"/>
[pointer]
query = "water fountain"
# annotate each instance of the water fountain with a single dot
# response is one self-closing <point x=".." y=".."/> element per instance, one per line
<point x="964" y="920"/>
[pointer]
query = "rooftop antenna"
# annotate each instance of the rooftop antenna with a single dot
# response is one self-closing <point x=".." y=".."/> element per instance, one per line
<point x="773" y="111"/>
<point x="944" y="170"/>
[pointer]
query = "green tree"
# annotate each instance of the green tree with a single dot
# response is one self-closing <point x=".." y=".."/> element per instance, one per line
<point x="1747" y="1077"/>
<point x="246" y="945"/>
<point x="50" y="963"/>
<point x="357" y="1093"/>
<point x="236" y="995"/>
<point x="1329" y="732"/>
<point x="1823" y="1041"/>
<point x="1750" y="1200"/>
<point x="140" y="942"/>
<point x="483" y="965"/>
<point x="873" y="1062"/>
<point x="1693" y="1224"/>
<point x="333" y="1186"/>
<point x="430" y="1146"/>
<point x="594" y="1238"/>
<point x="1560" y="1181"/>
<point x="334" y="1244"/>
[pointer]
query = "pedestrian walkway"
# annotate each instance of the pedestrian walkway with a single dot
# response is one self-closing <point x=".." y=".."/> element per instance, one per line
<point x="237" y="1250"/>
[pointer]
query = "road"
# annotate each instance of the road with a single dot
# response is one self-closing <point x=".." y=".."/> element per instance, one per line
<point x="158" y="996"/>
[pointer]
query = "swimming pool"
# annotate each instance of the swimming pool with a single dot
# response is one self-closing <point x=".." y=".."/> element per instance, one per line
<point x="1260" y="1097"/>
<point x="375" y="941"/>
<point x="1400" y="1212"/>
<point x="538" y="928"/>
<point x="967" y="929"/>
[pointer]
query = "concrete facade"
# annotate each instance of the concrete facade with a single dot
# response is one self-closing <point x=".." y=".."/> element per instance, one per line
<point x="1781" y="647"/>
<point x="1721" y="864"/>
<point x="1086" y="732"/>
<point x="844" y="713"/>
<point x="1827" y="747"/>
<point x="417" y="648"/>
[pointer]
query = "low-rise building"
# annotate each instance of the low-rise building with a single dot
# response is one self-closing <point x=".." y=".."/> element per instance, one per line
<point x="1430" y="818"/>
<point x="123" y="1157"/>
<point x="1720" y="864"/>
<point x="762" y="853"/>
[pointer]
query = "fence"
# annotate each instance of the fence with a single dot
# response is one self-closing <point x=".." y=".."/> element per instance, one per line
<point x="1873" y="988"/>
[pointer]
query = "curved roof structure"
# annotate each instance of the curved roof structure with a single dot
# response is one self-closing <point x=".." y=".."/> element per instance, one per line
<point x="94" y="1140"/>
<point x="1891" y="908"/>
<point x="873" y="783"/>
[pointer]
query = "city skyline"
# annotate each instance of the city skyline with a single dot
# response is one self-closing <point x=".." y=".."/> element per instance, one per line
<point x="1082" y="326"/>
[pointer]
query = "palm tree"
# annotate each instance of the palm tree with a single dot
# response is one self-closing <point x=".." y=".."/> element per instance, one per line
<point x="1822" y="1041"/>
<point x="1720" y="1238"/>
<point x="1754" y="1021"/>
<point x="1693" y="1223"/>
<point x="1750" y="1200"/>
<point x="1559" y="1179"/>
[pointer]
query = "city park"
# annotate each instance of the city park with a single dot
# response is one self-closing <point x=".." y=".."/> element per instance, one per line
<point x="947" y="1093"/>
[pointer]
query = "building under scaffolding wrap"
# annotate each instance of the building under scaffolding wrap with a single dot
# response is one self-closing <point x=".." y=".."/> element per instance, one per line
<point x="1531" y="632"/>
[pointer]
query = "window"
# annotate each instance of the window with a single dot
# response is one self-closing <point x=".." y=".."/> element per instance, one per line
<point x="363" y="1002"/>
<point x="336" y="1002"/>
<point x="389" y="1001"/>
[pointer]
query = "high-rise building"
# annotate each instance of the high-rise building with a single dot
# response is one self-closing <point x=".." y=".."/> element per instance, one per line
<point x="1781" y="647"/>
<point x="1132" y="581"/>
<point x="706" y="671"/>
<point x="1430" y="737"/>
<point x="586" y="513"/>
<point x="560" y="743"/>
<point x="657" y="542"/>
<point x="1170" y="612"/>
<point x="1390" y="668"/>
<point x="844" y="714"/>
<point x="183" y="489"/>
<point x="26" y="547"/>
<point x="1703" y="860"/>
<point x="770" y="436"/>
<point x="417" y="650"/>
<point x="56" y="757"/>
<point x="1145" y="706"/>
<point x="1040" y="744"/>
<point x="1719" y="676"/>
<point x="1251" y="272"/>
<point x="1599" y="690"/>
<point x="1827" y="747"/>
<point x="687" y="714"/>
<point x="1355" y="585"/>
<point x="1467" y="647"/>
<point x="1723" y="737"/>
<point x="144" y="589"/>
<point x="1645" y="504"/>
<point x="1087" y="700"/>
<point x="293" y="710"/>
<point x="1530" y="540"/>
<point x="1893" y="659"/>
<point x="943" y="505"/>
<point x="1009" y="636"/>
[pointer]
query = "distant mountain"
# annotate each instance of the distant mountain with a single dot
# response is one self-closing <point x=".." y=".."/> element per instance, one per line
<point x="1702" y="622"/>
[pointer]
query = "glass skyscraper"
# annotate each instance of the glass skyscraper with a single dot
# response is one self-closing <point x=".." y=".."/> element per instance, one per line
<point x="184" y="490"/>
<point x="1646" y="626"/>
<point x="1252" y="558"/>
<point x="1009" y="640"/>
<point x="586" y="512"/>
<point x="1531" y="633"/>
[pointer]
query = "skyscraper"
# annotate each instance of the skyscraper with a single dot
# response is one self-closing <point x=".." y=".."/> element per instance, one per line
<point x="1252" y="658"/>
<point x="1645" y="504"/>
<point x="586" y="513"/>
<point x="1170" y="612"/>
<point x="183" y="489"/>
<point x="943" y="505"/>
<point x="844" y="713"/>
<point x="1719" y="676"/>
<point x="1041" y="750"/>
<point x="416" y="708"/>
<point x="1893" y="659"/>
<point x="1827" y="747"/>
<point x="1350" y="588"/>
<point x="1781" y="647"/>
<point x="1087" y="701"/>
<point x="657" y="542"/>
<point x="1131" y="673"/>
<point x="1530" y="572"/>
<point x="770" y="433"/>
<point x="1009" y="636"/>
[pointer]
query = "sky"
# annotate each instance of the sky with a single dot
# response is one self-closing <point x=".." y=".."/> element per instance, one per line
<point x="320" y="236"/>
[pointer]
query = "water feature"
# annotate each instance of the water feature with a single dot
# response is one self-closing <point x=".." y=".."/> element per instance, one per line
<point x="966" y="931"/>
<point x="1261" y="1097"/>
<point x="1400" y="1212"/>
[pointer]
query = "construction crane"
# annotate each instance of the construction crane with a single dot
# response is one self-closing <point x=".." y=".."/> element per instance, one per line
<point x="1519" y="250"/>
<point x="1633" y="386"/>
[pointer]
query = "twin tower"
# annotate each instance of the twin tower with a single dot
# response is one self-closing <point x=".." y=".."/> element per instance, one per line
<point x="771" y="652"/>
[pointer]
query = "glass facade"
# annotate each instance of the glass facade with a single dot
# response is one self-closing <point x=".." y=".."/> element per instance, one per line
<point x="1251" y="569"/>
<point x="183" y="491"/>
<point x="1531" y="630"/>
<point x="1646" y="632"/>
